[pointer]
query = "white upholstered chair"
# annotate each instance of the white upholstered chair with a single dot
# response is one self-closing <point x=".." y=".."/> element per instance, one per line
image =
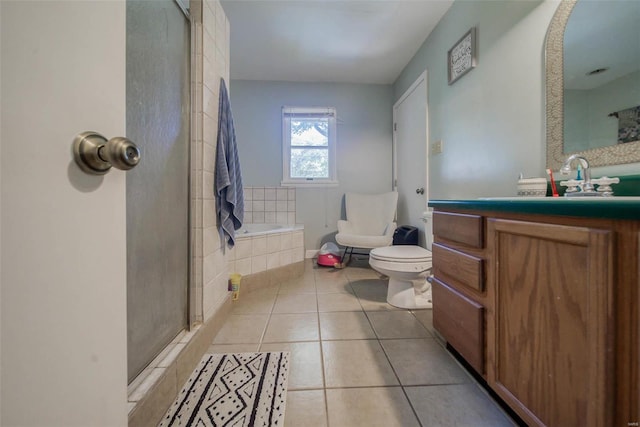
<point x="370" y="221"/>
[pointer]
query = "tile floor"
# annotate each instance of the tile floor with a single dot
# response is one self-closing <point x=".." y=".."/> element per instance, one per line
<point x="355" y="360"/>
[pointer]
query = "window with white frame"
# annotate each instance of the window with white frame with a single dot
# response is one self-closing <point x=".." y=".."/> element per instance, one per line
<point x="309" y="146"/>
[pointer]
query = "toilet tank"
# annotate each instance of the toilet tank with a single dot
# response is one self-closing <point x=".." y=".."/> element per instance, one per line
<point x="427" y="218"/>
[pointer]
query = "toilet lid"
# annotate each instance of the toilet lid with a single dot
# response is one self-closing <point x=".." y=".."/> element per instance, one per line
<point x="401" y="253"/>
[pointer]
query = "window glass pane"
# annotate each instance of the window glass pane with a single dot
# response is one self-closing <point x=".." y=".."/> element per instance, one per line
<point x="309" y="163"/>
<point x="310" y="132"/>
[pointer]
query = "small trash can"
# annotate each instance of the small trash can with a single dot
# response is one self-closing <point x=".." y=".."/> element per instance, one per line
<point x="405" y="235"/>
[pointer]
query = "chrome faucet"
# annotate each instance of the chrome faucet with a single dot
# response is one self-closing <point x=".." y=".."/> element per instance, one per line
<point x="587" y="186"/>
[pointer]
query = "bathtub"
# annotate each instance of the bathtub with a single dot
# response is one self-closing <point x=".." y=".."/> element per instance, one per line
<point x="264" y="247"/>
<point x="249" y="230"/>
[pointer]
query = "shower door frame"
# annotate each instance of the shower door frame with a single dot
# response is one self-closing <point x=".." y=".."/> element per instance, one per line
<point x="193" y="309"/>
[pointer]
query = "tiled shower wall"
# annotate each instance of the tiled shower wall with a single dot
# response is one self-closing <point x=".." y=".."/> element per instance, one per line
<point x="210" y="44"/>
<point x="269" y="205"/>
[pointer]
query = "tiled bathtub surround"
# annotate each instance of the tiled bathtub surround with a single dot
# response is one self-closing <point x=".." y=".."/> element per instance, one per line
<point x="269" y="205"/>
<point x="265" y="251"/>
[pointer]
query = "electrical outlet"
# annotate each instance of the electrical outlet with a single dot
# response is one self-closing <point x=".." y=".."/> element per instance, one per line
<point x="436" y="147"/>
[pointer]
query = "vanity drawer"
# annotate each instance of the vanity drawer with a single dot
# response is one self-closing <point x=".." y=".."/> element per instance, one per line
<point x="461" y="228"/>
<point x="461" y="322"/>
<point x="457" y="268"/>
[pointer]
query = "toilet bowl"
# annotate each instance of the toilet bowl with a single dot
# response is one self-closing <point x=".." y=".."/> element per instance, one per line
<point x="407" y="267"/>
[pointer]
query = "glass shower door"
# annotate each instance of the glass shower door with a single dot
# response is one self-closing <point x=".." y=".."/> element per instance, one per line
<point x="158" y="100"/>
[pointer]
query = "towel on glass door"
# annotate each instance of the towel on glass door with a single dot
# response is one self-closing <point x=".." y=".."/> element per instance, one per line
<point x="228" y="179"/>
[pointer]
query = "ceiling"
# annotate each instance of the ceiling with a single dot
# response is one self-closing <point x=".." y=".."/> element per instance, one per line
<point x="346" y="41"/>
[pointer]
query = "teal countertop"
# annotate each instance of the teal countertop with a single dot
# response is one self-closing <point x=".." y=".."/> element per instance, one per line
<point x="604" y="207"/>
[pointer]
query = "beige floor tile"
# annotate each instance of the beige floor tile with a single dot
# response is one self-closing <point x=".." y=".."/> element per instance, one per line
<point x="456" y="405"/>
<point x="242" y="329"/>
<point x="358" y="262"/>
<point x="292" y="327"/>
<point x="300" y="285"/>
<point x="376" y="285"/>
<point x="357" y="363"/>
<point x="305" y="408"/>
<point x="334" y="287"/>
<point x="362" y="274"/>
<point x="338" y="302"/>
<point x="296" y="303"/>
<point x="305" y="364"/>
<point x="372" y="294"/>
<point x="330" y="274"/>
<point x="426" y="318"/>
<point x="370" y="407"/>
<point x="423" y="362"/>
<point x="397" y="324"/>
<point x="233" y="348"/>
<point x="345" y="325"/>
<point x="254" y="303"/>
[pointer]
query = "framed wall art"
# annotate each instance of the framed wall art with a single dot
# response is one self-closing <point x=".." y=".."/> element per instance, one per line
<point x="461" y="58"/>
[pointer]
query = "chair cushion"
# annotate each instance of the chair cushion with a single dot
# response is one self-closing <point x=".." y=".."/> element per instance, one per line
<point x="370" y="214"/>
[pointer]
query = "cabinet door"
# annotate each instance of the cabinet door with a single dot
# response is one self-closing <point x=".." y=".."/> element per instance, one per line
<point x="549" y="338"/>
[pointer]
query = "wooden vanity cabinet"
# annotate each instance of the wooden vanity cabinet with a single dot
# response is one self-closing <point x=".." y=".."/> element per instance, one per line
<point x="559" y="306"/>
<point x="458" y="287"/>
<point x="550" y="340"/>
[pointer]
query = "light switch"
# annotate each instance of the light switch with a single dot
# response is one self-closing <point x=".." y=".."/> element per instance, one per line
<point x="436" y="147"/>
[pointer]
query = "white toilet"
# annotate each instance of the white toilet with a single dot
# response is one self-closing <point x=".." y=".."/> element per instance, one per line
<point x="408" y="267"/>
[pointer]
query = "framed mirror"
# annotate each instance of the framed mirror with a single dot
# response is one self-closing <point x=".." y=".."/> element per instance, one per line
<point x="593" y="82"/>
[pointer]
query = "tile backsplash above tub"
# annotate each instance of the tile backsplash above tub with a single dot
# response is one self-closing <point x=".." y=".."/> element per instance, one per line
<point x="269" y="205"/>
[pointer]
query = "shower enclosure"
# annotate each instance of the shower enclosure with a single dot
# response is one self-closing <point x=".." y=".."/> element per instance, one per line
<point x="158" y="114"/>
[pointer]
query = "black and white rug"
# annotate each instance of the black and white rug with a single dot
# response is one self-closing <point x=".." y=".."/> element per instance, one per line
<point x="238" y="389"/>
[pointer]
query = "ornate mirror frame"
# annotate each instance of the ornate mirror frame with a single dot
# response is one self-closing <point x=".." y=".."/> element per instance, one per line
<point x="554" y="61"/>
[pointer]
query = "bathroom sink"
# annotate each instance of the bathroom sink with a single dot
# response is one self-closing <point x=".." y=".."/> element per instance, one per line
<point x="565" y="199"/>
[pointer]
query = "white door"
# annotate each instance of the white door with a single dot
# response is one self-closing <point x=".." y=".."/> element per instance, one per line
<point x="411" y="158"/>
<point x="63" y="232"/>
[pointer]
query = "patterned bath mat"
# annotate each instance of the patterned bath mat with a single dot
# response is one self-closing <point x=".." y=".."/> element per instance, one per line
<point x="238" y="389"/>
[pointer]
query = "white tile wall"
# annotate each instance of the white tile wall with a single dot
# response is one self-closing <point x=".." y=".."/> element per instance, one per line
<point x="269" y="205"/>
<point x="211" y="51"/>
<point x="255" y="254"/>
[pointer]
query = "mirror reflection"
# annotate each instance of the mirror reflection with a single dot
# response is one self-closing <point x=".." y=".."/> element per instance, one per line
<point x="601" y="75"/>
<point x="593" y="82"/>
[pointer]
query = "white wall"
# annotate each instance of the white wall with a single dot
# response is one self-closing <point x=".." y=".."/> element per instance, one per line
<point x="491" y="120"/>
<point x="364" y="143"/>
<point x="63" y="243"/>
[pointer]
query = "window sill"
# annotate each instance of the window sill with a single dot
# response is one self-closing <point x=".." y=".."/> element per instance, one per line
<point x="309" y="184"/>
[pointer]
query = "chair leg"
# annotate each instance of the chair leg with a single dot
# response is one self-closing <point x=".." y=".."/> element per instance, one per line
<point x="345" y="260"/>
